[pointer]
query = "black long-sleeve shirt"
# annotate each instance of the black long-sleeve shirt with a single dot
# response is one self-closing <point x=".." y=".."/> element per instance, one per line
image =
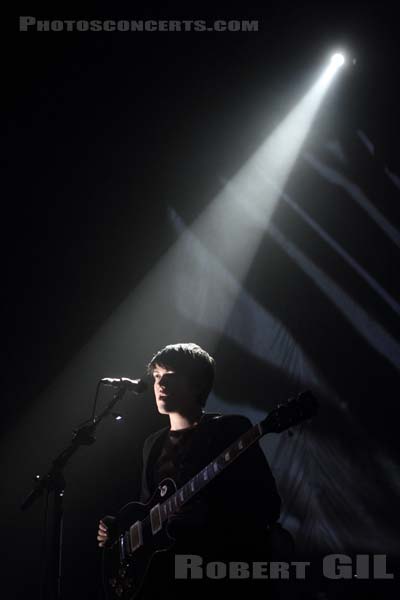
<point x="235" y="509"/>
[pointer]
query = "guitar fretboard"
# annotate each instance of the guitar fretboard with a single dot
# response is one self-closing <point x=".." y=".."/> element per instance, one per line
<point x="203" y="478"/>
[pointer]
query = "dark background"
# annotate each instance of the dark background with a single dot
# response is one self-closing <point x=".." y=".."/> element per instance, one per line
<point x="104" y="133"/>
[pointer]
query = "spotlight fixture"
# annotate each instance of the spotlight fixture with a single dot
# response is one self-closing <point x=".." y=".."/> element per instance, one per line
<point x="337" y="59"/>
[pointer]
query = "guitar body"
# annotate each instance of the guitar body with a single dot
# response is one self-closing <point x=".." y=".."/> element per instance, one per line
<point x="128" y="558"/>
<point x="142" y="529"/>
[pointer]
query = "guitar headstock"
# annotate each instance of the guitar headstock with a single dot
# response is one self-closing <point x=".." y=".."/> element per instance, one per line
<point x="290" y="413"/>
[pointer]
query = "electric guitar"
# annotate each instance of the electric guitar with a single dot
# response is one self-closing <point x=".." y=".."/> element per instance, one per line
<point x="142" y="528"/>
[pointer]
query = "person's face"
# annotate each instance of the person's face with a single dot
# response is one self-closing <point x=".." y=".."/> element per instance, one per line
<point x="173" y="391"/>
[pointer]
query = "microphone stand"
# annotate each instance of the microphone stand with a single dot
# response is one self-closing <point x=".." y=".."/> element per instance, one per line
<point x="54" y="483"/>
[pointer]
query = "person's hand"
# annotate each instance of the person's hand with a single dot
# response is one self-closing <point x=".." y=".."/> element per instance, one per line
<point x="107" y="531"/>
<point x="102" y="534"/>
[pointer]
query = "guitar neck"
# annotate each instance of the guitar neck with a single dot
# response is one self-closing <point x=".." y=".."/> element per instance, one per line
<point x="209" y="472"/>
<point x="286" y="415"/>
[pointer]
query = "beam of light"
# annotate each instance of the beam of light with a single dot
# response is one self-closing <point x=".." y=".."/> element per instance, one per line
<point x="321" y="485"/>
<point x="366" y="141"/>
<point x="372" y="331"/>
<point x="251" y="326"/>
<point x="337" y="61"/>
<point x="356" y="193"/>
<point x="234" y="223"/>
<point x="365" y="275"/>
<point x="231" y="228"/>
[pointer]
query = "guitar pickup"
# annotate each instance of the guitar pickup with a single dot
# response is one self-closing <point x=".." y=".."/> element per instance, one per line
<point x="135" y="536"/>
<point x="155" y="519"/>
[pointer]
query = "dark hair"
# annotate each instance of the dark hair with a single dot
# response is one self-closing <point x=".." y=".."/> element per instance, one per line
<point x="190" y="360"/>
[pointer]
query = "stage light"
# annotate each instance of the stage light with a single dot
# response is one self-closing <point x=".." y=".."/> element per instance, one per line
<point x="338" y="60"/>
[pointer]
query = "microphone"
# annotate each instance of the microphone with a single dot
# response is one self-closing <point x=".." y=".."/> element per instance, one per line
<point x="138" y="386"/>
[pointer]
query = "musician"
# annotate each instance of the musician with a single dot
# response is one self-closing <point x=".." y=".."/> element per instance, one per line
<point x="232" y="515"/>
